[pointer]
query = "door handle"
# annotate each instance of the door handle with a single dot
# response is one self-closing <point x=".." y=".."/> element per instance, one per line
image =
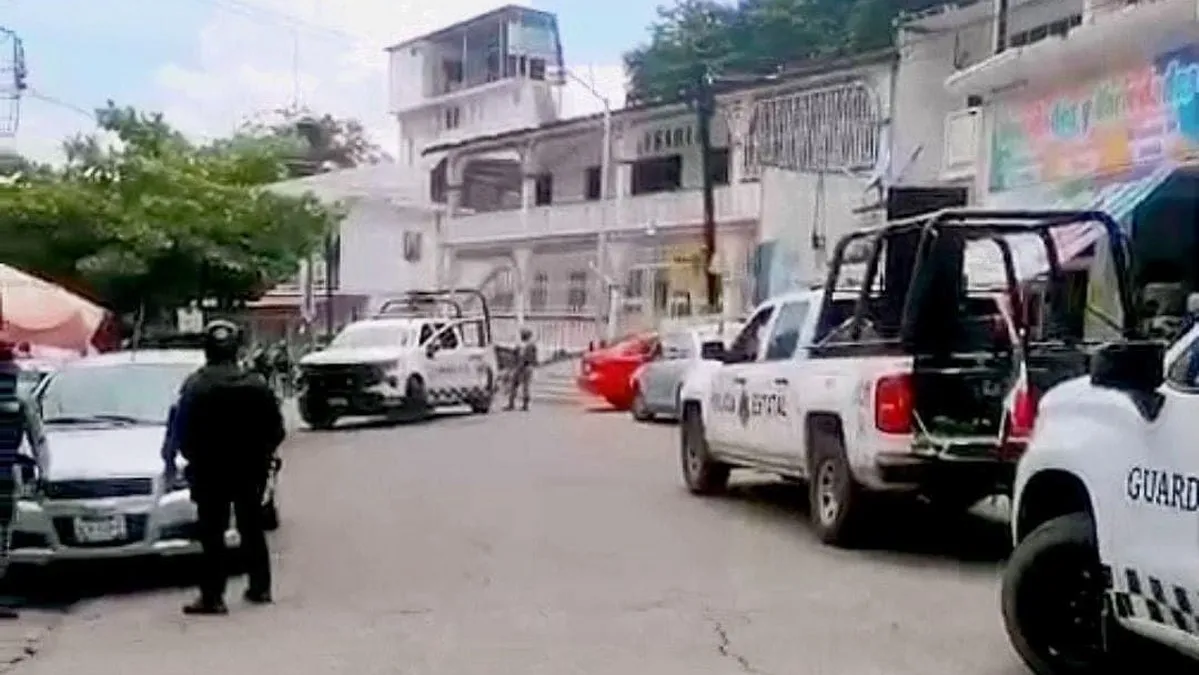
<point x="781" y="381"/>
<point x="738" y="380"/>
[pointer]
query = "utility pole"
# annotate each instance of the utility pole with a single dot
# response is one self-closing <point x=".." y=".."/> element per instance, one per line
<point x="705" y="108"/>
<point x="329" y="286"/>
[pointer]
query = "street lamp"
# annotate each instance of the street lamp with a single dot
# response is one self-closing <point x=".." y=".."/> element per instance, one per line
<point x="601" y="238"/>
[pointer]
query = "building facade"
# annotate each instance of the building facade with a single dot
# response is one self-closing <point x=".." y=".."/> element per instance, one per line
<point x="559" y="245"/>
<point x="1090" y="104"/>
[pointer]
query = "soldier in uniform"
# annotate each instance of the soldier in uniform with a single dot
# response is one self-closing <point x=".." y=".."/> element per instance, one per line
<point x="522" y="370"/>
<point x="19" y="422"/>
<point x="227" y="425"/>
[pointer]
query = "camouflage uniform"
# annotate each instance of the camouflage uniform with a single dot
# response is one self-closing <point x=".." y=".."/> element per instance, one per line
<point x="19" y="421"/>
<point x="522" y="370"/>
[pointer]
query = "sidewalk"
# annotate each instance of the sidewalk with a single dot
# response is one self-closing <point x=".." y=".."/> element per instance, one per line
<point x="21" y="640"/>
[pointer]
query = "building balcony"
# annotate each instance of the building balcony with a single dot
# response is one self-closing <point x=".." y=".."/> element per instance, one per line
<point x="1120" y="35"/>
<point x="662" y="211"/>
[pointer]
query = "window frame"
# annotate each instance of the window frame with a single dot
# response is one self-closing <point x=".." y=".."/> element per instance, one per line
<point x="804" y="317"/>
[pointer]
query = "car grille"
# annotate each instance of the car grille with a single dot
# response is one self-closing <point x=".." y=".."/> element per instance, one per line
<point x="100" y="489"/>
<point x="135" y="528"/>
<point x="342" y="378"/>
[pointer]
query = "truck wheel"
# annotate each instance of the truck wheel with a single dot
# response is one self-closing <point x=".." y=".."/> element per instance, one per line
<point x="640" y="408"/>
<point x="1052" y="598"/>
<point x="317" y="414"/>
<point x="702" y="474"/>
<point x="481" y="404"/>
<point x="838" y="504"/>
<point x="416" y="398"/>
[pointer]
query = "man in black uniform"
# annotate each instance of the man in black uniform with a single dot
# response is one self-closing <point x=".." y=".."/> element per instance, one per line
<point x="18" y="421"/>
<point x="228" y="427"/>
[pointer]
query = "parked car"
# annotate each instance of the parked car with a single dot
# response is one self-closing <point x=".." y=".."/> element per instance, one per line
<point x="105" y="494"/>
<point x="656" y="384"/>
<point x="608" y="372"/>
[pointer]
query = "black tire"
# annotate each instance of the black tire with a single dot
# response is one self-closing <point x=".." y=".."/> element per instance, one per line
<point x="416" y="399"/>
<point x="1052" y="597"/>
<point x="270" y="516"/>
<point x="838" y="505"/>
<point x="640" y="410"/>
<point x="317" y="414"/>
<point x="701" y="474"/>
<point x="481" y="405"/>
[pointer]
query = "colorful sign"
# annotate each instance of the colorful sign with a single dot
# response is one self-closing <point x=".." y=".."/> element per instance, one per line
<point x="1135" y="118"/>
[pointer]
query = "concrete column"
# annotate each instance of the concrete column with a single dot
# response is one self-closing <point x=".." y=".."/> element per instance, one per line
<point x="733" y="251"/>
<point x="738" y="116"/>
<point x="522" y="258"/>
<point x="447" y="267"/>
<point x="453" y="200"/>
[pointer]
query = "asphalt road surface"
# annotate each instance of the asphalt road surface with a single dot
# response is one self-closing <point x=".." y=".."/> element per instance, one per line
<point x="555" y="542"/>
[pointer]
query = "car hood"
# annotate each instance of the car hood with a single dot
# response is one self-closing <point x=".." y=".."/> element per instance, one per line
<point x="104" y="452"/>
<point x="352" y="355"/>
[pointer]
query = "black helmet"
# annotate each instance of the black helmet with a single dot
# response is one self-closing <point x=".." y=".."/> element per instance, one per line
<point x="222" y="340"/>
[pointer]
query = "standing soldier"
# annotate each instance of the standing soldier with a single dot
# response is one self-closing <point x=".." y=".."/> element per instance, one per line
<point x="522" y="370"/>
<point x="282" y="368"/>
<point x="19" y="421"/>
<point x="228" y="427"/>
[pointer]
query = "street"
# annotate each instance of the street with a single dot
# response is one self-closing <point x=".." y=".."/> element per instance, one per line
<point x="556" y="541"/>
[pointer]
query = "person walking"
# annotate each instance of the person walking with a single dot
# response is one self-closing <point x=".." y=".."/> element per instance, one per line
<point x="20" y="423"/>
<point x="228" y="426"/>
<point x="522" y="370"/>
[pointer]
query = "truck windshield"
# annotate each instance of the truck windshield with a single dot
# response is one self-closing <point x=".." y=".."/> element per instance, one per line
<point x="367" y="335"/>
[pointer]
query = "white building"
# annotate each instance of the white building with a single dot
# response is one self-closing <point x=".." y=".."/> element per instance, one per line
<point x="527" y="217"/>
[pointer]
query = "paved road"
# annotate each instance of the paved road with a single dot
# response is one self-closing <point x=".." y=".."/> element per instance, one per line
<point x="554" y="542"/>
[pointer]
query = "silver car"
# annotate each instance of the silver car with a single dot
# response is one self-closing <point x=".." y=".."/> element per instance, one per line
<point x="656" y="384"/>
<point x="104" y="494"/>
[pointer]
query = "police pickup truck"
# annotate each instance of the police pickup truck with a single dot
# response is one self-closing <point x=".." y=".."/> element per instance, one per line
<point x="420" y="352"/>
<point x="1106" y="516"/>
<point x="922" y="387"/>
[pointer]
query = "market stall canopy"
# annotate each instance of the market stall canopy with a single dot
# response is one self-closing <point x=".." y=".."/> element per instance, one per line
<point x="40" y="313"/>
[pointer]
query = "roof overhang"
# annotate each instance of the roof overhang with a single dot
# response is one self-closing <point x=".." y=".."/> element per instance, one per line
<point x="1137" y="33"/>
<point x="387" y="183"/>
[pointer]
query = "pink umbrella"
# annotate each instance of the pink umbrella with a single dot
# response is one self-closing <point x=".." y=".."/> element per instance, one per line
<point x="38" y="312"/>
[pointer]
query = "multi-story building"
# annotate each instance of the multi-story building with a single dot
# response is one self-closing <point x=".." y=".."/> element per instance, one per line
<point x="1082" y="103"/>
<point x="532" y="216"/>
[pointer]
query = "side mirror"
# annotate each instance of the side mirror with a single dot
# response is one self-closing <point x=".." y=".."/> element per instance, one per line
<point x="1129" y="366"/>
<point x="713" y="350"/>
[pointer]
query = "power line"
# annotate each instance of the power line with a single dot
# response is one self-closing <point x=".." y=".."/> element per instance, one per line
<point x="273" y="16"/>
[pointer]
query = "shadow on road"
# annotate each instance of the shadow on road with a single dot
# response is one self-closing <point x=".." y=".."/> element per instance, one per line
<point x="363" y="423"/>
<point x="62" y="586"/>
<point x="905" y="528"/>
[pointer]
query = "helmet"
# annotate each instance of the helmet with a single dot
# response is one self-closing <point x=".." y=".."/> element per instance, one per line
<point x="222" y="340"/>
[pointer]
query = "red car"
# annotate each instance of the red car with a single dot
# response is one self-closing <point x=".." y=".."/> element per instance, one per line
<point x="608" y="372"/>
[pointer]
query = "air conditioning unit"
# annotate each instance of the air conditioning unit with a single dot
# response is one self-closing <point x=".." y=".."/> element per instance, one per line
<point x="961" y="149"/>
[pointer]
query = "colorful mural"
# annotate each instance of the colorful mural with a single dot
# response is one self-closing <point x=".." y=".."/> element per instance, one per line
<point x="1133" y="119"/>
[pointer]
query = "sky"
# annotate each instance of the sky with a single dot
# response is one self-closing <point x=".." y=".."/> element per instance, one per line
<point x="208" y="64"/>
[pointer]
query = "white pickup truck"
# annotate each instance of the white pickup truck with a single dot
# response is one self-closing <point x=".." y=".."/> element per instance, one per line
<point x="1106" y="516"/>
<point x="781" y="400"/>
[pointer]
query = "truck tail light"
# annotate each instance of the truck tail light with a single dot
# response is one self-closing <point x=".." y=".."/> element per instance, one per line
<point x="1023" y="414"/>
<point x="893" y="404"/>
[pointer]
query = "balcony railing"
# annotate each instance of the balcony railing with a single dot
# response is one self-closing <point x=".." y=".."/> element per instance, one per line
<point x="662" y="211"/>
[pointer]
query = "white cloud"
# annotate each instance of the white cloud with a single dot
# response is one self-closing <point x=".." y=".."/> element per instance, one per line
<point x="248" y="61"/>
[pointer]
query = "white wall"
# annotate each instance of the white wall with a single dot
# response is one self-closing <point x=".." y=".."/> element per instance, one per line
<point x="407" y="76"/>
<point x="372" y="251"/>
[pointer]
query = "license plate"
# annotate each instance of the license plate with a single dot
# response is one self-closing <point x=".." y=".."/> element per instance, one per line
<point x="100" y="530"/>
<point x="338" y="401"/>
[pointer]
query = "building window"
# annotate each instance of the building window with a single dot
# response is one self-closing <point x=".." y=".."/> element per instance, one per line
<point x="438" y="186"/>
<point x="1058" y="28"/>
<point x="452" y="71"/>
<point x="503" y="296"/>
<point x="412" y="246"/>
<point x="635" y="285"/>
<point x="539" y="293"/>
<point x="576" y="294"/>
<point x="660" y="174"/>
<point x="543" y="189"/>
<point x="453" y="117"/>
<point x="593" y="183"/>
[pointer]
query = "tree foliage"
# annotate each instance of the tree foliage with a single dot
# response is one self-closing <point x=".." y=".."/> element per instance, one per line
<point x="315" y="143"/>
<point x="753" y="37"/>
<point x="157" y="221"/>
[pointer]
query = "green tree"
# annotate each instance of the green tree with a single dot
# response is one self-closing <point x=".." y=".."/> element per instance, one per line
<point x="754" y="37"/>
<point x="315" y="143"/>
<point x="157" y="221"/>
